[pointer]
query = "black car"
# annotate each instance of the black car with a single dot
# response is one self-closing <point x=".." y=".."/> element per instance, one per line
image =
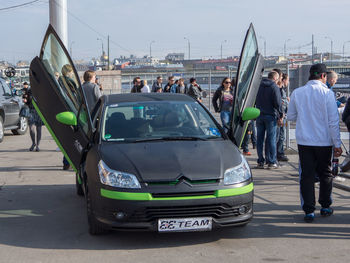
<point x="10" y="106"/>
<point x="156" y="162"/>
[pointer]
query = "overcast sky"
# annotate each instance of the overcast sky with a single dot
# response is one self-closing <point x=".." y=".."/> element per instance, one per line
<point x="133" y="24"/>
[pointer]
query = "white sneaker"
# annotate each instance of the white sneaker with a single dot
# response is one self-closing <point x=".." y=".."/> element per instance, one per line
<point x="339" y="179"/>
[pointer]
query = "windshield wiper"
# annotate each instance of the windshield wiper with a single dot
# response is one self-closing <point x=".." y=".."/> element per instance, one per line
<point x="172" y="138"/>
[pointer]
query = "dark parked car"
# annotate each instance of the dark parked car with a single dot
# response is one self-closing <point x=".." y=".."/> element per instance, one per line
<point x="10" y="106"/>
<point x="156" y="162"/>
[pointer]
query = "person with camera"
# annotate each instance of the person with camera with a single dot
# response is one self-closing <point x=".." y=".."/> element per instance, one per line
<point x="317" y="132"/>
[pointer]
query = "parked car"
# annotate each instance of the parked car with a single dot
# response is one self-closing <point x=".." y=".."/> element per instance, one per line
<point x="157" y="162"/>
<point x="10" y="106"/>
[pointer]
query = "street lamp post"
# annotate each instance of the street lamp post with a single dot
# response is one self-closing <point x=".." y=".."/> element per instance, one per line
<point x="71" y="52"/>
<point x="150" y="48"/>
<point x="264" y="45"/>
<point x="102" y="44"/>
<point x="189" y="48"/>
<point x="331" y="49"/>
<point x="285" y="47"/>
<point x="221" y="48"/>
<point x="344" y="48"/>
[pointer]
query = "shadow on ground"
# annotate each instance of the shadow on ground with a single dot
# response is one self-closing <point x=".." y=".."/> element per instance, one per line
<point x="53" y="217"/>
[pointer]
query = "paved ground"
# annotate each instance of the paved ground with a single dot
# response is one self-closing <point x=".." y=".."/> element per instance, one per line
<point x="42" y="220"/>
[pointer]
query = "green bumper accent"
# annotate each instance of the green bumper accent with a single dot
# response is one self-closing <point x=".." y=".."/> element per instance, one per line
<point x="148" y="197"/>
<point x="54" y="136"/>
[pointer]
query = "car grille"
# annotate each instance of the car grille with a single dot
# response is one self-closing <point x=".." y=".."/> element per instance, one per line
<point x="216" y="211"/>
<point x="162" y="195"/>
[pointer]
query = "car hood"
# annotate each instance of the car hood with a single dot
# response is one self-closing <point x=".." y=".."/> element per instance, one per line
<point x="169" y="161"/>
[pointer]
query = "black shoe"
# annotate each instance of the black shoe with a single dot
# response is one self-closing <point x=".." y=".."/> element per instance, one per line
<point x="32" y="147"/>
<point x="254" y="146"/>
<point x="260" y="166"/>
<point x="37" y="149"/>
<point x="309" y="218"/>
<point x="326" y="211"/>
<point x="283" y="158"/>
<point x="66" y="167"/>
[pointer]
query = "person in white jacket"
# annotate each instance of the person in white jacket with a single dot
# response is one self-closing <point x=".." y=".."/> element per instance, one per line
<point x="314" y="109"/>
<point x="145" y="88"/>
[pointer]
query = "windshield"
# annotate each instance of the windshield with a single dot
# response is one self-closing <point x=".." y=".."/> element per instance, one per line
<point x="147" y="121"/>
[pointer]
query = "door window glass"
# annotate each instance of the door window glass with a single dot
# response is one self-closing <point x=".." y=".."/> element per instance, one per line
<point x="7" y="90"/>
<point x="58" y="65"/>
<point x="245" y="74"/>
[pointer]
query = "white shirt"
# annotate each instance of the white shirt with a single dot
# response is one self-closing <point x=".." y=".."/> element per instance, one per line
<point x="315" y="111"/>
<point x="145" y="89"/>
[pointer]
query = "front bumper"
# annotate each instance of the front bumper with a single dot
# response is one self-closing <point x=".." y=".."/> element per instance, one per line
<point x="144" y="215"/>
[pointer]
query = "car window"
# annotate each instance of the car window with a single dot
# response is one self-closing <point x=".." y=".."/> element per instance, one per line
<point x="58" y="65"/>
<point x="1" y="88"/>
<point x="6" y="89"/>
<point x="61" y="70"/>
<point x="246" y="69"/>
<point x="147" y="120"/>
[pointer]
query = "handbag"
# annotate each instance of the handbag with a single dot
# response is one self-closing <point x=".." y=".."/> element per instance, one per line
<point x="24" y="112"/>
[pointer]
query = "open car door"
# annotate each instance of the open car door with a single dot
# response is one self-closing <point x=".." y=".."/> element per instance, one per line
<point x="56" y="91"/>
<point x="249" y="75"/>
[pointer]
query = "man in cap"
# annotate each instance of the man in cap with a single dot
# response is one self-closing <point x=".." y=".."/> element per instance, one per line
<point x="314" y="109"/>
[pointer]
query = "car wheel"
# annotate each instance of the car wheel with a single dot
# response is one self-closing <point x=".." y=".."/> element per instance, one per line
<point x="78" y="187"/>
<point x="23" y="127"/>
<point x="1" y="129"/>
<point x="95" y="228"/>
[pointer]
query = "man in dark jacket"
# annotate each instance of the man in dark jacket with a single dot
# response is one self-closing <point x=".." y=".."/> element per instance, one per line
<point x="158" y="84"/>
<point x="268" y="101"/>
<point x="195" y="90"/>
<point x="137" y="85"/>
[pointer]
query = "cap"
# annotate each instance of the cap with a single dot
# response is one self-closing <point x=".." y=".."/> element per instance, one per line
<point x="318" y="69"/>
<point x="25" y="83"/>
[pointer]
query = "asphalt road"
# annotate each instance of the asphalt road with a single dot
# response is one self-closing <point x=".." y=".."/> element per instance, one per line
<point x="43" y="220"/>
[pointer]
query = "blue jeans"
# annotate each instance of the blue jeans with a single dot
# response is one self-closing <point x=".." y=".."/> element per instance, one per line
<point x="225" y="119"/>
<point x="268" y="124"/>
<point x="280" y="141"/>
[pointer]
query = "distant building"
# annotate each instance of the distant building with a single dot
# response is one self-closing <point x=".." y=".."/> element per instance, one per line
<point x="175" y="56"/>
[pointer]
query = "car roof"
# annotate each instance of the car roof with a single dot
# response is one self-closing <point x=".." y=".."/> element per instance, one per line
<point x="143" y="97"/>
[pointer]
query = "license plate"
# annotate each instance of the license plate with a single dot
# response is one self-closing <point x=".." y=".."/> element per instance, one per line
<point x="185" y="224"/>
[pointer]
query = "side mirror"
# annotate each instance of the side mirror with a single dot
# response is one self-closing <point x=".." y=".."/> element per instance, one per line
<point x="67" y="118"/>
<point x="250" y="113"/>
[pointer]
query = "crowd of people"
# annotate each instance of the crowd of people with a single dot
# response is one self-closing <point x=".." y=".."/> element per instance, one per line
<point x="173" y="86"/>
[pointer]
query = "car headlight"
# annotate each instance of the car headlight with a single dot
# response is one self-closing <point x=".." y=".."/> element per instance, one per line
<point x="237" y="174"/>
<point x="115" y="178"/>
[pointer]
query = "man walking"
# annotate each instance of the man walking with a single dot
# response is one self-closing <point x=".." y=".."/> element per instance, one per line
<point x="268" y="101"/>
<point x="314" y="109"/>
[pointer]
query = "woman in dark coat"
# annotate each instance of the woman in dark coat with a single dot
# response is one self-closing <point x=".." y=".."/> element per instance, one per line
<point x="34" y="121"/>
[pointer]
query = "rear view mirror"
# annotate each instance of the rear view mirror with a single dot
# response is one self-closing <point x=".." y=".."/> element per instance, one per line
<point x="67" y="118"/>
<point x="250" y="114"/>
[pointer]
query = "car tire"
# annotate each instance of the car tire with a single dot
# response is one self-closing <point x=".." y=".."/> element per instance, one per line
<point x="78" y="187"/>
<point x="1" y="129"/>
<point x="95" y="228"/>
<point x="23" y="126"/>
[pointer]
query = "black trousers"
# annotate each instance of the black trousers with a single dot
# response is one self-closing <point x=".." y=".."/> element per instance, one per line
<point x="315" y="160"/>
